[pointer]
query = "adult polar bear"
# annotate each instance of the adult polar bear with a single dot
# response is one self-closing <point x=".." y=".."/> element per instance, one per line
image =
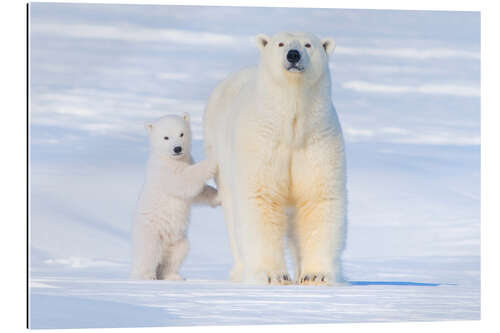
<point x="278" y="144"/>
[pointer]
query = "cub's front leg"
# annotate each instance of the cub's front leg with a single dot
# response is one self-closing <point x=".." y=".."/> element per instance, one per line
<point x="208" y="196"/>
<point x="190" y="182"/>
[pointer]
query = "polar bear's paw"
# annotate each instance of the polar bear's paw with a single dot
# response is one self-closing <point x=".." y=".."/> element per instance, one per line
<point x="274" y="278"/>
<point x="174" y="277"/>
<point x="236" y="274"/>
<point x="316" y="279"/>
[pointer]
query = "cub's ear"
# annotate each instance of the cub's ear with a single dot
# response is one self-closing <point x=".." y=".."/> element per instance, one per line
<point x="262" y="40"/>
<point x="186" y="117"/>
<point x="148" y="126"/>
<point x="328" y="45"/>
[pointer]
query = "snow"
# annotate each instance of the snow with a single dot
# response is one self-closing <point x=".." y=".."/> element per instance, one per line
<point x="418" y="262"/>
<point x="120" y="303"/>
<point x="83" y="301"/>
<point x="413" y="164"/>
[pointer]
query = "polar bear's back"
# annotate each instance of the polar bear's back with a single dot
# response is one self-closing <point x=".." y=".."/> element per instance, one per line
<point x="220" y="104"/>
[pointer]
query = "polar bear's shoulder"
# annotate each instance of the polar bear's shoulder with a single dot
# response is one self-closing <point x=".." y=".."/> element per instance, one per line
<point x="234" y="82"/>
<point x="243" y="75"/>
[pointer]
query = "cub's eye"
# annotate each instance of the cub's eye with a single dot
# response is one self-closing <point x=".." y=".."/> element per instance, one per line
<point x="182" y="134"/>
<point x="281" y="44"/>
<point x="166" y="138"/>
<point x="308" y="45"/>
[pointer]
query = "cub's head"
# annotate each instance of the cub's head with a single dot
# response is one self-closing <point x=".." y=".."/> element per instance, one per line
<point x="295" y="55"/>
<point x="170" y="135"/>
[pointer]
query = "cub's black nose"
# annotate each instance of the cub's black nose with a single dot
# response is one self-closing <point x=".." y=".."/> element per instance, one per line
<point x="177" y="149"/>
<point x="293" y="56"/>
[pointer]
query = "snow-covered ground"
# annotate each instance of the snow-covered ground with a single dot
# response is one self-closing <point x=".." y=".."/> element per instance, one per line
<point x="101" y="297"/>
<point x="406" y="87"/>
<point x="412" y="250"/>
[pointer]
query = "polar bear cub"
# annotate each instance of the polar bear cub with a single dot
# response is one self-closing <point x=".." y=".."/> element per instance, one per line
<point x="172" y="184"/>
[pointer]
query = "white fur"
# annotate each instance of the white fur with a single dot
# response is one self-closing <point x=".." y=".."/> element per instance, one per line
<point x="172" y="184"/>
<point x="279" y="145"/>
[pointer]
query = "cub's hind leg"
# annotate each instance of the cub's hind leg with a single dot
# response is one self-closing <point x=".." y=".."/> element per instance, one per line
<point x="173" y="256"/>
<point x="147" y="252"/>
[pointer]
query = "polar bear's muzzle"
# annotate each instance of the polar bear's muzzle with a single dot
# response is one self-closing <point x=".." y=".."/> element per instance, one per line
<point x="293" y="56"/>
<point x="293" y="61"/>
<point x="177" y="151"/>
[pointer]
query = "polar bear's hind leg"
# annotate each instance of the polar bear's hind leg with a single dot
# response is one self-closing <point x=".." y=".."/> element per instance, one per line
<point x="236" y="274"/>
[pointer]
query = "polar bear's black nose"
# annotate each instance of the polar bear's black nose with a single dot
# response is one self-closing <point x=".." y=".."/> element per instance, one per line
<point x="293" y="56"/>
<point x="177" y="149"/>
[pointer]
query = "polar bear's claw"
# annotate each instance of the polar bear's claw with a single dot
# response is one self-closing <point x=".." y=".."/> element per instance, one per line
<point x="271" y="278"/>
<point x="315" y="279"/>
<point x="280" y="278"/>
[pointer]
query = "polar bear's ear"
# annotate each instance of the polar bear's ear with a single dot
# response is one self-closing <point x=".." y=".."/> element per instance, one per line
<point x="262" y="40"/>
<point x="186" y="117"/>
<point x="148" y="126"/>
<point x="328" y="45"/>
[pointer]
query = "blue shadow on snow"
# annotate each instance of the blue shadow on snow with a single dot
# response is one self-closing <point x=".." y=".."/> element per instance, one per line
<point x="392" y="283"/>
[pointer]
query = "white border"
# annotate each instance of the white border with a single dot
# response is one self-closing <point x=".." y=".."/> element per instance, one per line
<point x="13" y="143"/>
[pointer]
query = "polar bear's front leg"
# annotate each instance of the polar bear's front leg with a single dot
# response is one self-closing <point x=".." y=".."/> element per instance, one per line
<point x="320" y="233"/>
<point x="262" y="226"/>
<point x="319" y="192"/>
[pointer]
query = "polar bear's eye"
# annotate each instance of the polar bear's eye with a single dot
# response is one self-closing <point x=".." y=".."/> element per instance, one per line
<point x="308" y="45"/>
<point x="281" y="44"/>
<point x="182" y="134"/>
<point x="166" y="138"/>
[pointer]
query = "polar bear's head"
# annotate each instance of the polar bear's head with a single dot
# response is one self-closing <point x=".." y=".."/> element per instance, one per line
<point x="171" y="136"/>
<point x="295" y="55"/>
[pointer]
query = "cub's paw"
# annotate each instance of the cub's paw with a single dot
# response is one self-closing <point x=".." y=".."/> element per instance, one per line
<point x="212" y="166"/>
<point x="215" y="202"/>
<point x="316" y="279"/>
<point x="143" y="276"/>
